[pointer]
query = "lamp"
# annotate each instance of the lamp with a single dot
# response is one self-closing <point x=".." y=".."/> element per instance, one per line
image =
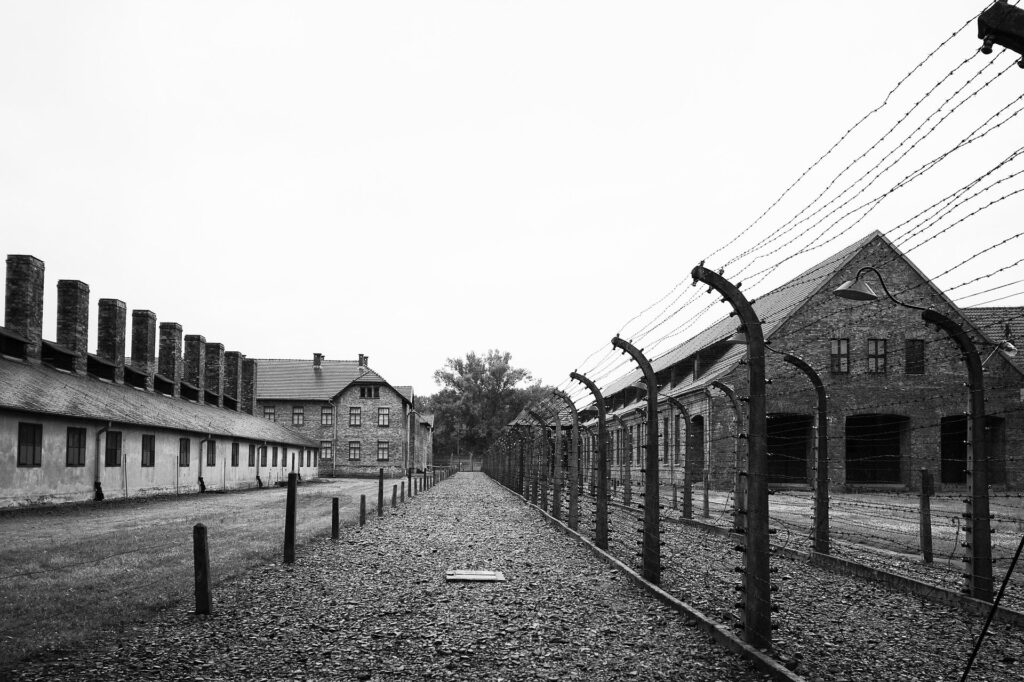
<point x="1009" y="350"/>
<point x="858" y="290"/>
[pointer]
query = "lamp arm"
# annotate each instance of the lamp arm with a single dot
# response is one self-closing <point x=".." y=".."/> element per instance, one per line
<point x="868" y="268"/>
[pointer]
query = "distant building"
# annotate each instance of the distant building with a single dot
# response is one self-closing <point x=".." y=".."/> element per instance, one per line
<point x="77" y="426"/>
<point x="360" y="421"/>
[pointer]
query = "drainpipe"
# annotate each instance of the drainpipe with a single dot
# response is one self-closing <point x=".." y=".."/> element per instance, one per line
<point x="98" y="484"/>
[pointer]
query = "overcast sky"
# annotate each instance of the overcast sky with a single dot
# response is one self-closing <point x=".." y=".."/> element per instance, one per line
<point x="414" y="180"/>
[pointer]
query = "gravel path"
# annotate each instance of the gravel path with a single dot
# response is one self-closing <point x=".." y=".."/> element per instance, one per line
<point x="375" y="606"/>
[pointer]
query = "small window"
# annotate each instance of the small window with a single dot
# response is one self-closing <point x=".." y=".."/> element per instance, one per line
<point x="369" y="391"/>
<point x="876" y="356"/>
<point x="355" y="416"/>
<point x="270" y="412"/>
<point x="184" y="447"/>
<point x="383" y="450"/>
<point x="839" y="356"/>
<point x="298" y="415"/>
<point x="263" y="456"/>
<point x="914" y="361"/>
<point x="326" y="415"/>
<point x="252" y="454"/>
<point x="30" y="445"/>
<point x="354" y="450"/>
<point x="148" y="449"/>
<point x="325" y="449"/>
<point x="383" y="416"/>
<point x="76" y="447"/>
<point x="113" y="452"/>
<point x="284" y="458"/>
<point x="273" y="461"/>
<point x="211" y="453"/>
<point x="234" y="454"/>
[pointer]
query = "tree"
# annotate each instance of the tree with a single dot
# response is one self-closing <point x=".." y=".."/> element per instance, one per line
<point x="479" y="396"/>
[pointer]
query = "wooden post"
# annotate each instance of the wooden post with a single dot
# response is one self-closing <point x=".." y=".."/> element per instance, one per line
<point x="927" y="490"/>
<point x="401" y="493"/>
<point x="380" y="493"/>
<point x="362" y="510"/>
<point x="289" y="520"/>
<point x="394" y="496"/>
<point x="201" y="555"/>
<point x="334" y="518"/>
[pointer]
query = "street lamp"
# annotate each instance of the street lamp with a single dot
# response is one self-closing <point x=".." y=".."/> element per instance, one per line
<point x="979" y="540"/>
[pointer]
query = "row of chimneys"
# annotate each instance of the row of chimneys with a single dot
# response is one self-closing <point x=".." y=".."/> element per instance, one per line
<point x="206" y="374"/>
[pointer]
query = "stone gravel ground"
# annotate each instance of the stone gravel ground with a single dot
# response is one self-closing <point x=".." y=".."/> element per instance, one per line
<point x="375" y="606"/>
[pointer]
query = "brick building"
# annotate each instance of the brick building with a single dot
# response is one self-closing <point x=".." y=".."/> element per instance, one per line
<point x="897" y="397"/>
<point x="360" y="421"/>
<point x="77" y="426"/>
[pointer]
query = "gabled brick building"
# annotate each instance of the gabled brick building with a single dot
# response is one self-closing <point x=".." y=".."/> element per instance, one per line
<point x="897" y="400"/>
<point x="361" y="422"/>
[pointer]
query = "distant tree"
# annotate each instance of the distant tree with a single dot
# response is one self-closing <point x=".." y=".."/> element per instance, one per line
<point x="479" y="396"/>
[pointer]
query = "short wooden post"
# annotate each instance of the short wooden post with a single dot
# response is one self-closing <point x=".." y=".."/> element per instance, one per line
<point x="362" y="510"/>
<point x="335" y="525"/>
<point x="401" y="493"/>
<point x="927" y="490"/>
<point x="289" y="520"/>
<point x="394" y="496"/>
<point x="380" y="493"/>
<point x="201" y="555"/>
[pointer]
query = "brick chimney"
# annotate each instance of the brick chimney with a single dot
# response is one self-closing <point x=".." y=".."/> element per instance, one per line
<point x="23" y="307"/>
<point x="247" y="401"/>
<point x="113" y="317"/>
<point x="215" y="371"/>
<point x="364" y="360"/>
<point x="233" y="376"/>
<point x="144" y="344"/>
<point x="195" y="360"/>
<point x="170" y="354"/>
<point x="73" y="320"/>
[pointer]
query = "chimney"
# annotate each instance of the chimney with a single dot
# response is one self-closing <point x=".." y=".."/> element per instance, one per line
<point x="195" y="361"/>
<point x="73" y="320"/>
<point x="318" y="358"/>
<point x="170" y="354"/>
<point x="144" y="344"/>
<point x="113" y="317"/>
<point x="233" y="376"/>
<point x="364" y="361"/>
<point x="215" y="371"/>
<point x="247" y="402"/>
<point x="23" y="307"/>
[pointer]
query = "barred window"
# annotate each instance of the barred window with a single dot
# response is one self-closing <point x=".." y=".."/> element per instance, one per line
<point x="326" y="416"/>
<point x="30" y="445"/>
<point x="298" y="415"/>
<point x="113" y="452"/>
<point x="354" y="449"/>
<point x="839" y="356"/>
<point x="211" y="453"/>
<point x="263" y="456"/>
<point x="76" y="447"/>
<point x="273" y="461"/>
<point x="234" y="454"/>
<point x="252" y="454"/>
<point x="876" y="356"/>
<point x="270" y="412"/>
<point x="184" y="448"/>
<point x="383" y="416"/>
<point x="148" y="449"/>
<point x="914" y="360"/>
<point x="355" y="416"/>
<point x="383" y="450"/>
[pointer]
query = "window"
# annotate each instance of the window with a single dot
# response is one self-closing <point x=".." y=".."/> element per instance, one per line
<point x="876" y="356"/>
<point x="355" y="416"/>
<point x="113" y="452"/>
<point x="298" y="415"/>
<point x="252" y="454"/>
<point x="234" y="454"/>
<point x="354" y="448"/>
<point x="211" y="453"/>
<point x="326" y="416"/>
<point x="263" y="456"/>
<point x="148" y="449"/>
<point x="284" y="457"/>
<point x="839" y="356"/>
<point x="309" y="457"/>
<point x="369" y="391"/>
<point x="30" y="445"/>
<point x="76" y="447"/>
<point x="325" y="449"/>
<point x="914" y="361"/>
<point x="270" y="412"/>
<point x="383" y="449"/>
<point x="383" y="416"/>
<point x="184" y="446"/>
<point x="273" y="462"/>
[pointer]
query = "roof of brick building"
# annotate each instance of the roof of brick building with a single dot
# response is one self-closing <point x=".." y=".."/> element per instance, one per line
<point x="299" y="380"/>
<point x="405" y="391"/>
<point x="998" y="323"/>
<point x="43" y="390"/>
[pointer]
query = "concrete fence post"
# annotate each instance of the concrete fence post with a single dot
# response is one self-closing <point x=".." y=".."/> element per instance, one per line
<point x="394" y="496"/>
<point x="380" y="493"/>
<point x="362" y="510"/>
<point x="201" y="557"/>
<point x="927" y="490"/>
<point x="289" y="520"/>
